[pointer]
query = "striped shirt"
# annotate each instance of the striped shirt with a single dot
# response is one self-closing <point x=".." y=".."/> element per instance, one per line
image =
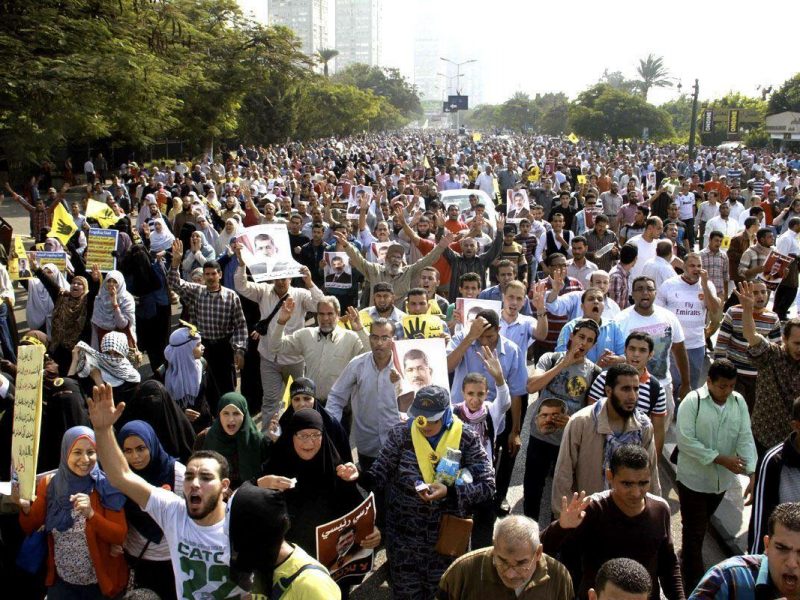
<point x="645" y="403"/>
<point x="555" y="323"/>
<point x="739" y="578"/>
<point x="731" y="343"/>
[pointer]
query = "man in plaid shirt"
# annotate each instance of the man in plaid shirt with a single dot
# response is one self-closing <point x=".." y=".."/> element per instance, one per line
<point x="715" y="262"/>
<point x="618" y="286"/>
<point x="220" y="319"/>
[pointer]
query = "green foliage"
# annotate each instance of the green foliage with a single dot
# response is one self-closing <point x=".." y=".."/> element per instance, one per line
<point x="652" y="73"/>
<point x="604" y="111"/>
<point x="787" y="97"/>
<point x="388" y="83"/>
<point x="757" y="138"/>
<point x="546" y="113"/>
<point x="618" y="81"/>
<point x="728" y="101"/>
<point x="680" y="112"/>
<point x="326" y="55"/>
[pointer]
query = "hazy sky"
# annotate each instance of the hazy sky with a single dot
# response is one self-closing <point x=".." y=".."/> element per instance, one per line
<point x="565" y="46"/>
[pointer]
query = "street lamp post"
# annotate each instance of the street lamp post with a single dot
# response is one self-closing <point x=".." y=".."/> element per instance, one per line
<point x="693" y="124"/>
<point x="458" y="83"/>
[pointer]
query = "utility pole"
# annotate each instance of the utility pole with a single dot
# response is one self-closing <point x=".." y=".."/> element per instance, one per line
<point x="693" y="124"/>
<point x="458" y="82"/>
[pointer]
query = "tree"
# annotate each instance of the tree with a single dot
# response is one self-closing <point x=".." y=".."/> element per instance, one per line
<point x="680" y="111"/>
<point x="325" y="55"/>
<point x="618" y="81"/>
<point x="652" y="73"/>
<point x="553" y="113"/>
<point x="787" y="97"/>
<point x="752" y="117"/>
<point x="604" y="111"/>
<point x="388" y="83"/>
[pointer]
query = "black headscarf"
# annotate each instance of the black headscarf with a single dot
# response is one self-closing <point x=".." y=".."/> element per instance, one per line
<point x="258" y="523"/>
<point x="137" y="268"/>
<point x="63" y="407"/>
<point x="151" y="403"/>
<point x="333" y="429"/>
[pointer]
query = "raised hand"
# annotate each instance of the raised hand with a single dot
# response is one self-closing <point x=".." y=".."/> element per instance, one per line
<point x="746" y="296"/>
<point x="573" y="512"/>
<point x="177" y="253"/>
<point x="102" y="411"/>
<point x="491" y="362"/>
<point x="537" y="295"/>
<point x="354" y="318"/>
<point x="286" y="311"/>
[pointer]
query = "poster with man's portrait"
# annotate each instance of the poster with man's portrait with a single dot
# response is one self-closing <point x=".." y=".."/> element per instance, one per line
<point x="357" y="194"/>
<point x="470" y="307"/>
<point x="517" y="205"/>
<point x="379" y="250"/>
<point x="267" y="252"/>
<point x="339" y="543"/>
<point x="338" y="273"/>
<point x="420" y="363"/>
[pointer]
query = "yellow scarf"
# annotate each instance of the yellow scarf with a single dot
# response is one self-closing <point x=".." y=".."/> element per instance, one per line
<point x="427" y="458"/>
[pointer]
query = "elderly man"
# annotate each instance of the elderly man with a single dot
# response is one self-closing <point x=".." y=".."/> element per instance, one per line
<point x="326" y="349"/>
<point x="393" y="270"/>
<point x="515" y="562"/>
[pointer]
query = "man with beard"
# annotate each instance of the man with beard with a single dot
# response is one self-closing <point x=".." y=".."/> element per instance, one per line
<point x="594" y="432"/>
<point x="194" y="526"/>
<point x="716" y="444"/>
<point x="624" y="521"/>
<point x="393" y="270"/>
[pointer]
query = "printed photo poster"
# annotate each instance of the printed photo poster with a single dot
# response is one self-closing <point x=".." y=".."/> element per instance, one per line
<point x="470" y="307"/>
<point x="100" y="245"/>
<point x="517" y="205"/>
<point x="338" y="272"/>
<point x="550" y="166"/>
<point x="343" y="189"/>
<point x="267" y="252"/>
<point x="420" y="363"/>
<point x="19" y="266"/>
<point x="339" y="544"/>
<point x="651" y="180"/>
<point x="379" y="250"/>
<point x="59" y="259"/>
<point x="27" y="419"/>
<point x="775" y="269"/>
<point x="590" y="212"/>
<point x="357" y="194"/>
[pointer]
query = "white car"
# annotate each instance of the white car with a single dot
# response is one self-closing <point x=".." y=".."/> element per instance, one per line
<point x="461" y="199"/>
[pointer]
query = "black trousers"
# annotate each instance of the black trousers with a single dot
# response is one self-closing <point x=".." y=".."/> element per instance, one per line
<point x="784" y="297"/>
<point x="219" y="355"/>
<point x="696" y="511"/>
<point x="504" y="462"/>
<point x="540" y="461"/>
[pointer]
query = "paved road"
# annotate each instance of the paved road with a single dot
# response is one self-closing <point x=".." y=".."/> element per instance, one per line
<point x="376" y="586"/>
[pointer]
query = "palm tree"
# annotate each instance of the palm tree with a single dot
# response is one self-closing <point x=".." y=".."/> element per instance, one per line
<point x="653" y="73"/>
<point x="325" y="55"/>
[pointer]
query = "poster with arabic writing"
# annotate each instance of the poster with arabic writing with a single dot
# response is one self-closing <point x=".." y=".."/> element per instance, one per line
<point x="339" y="543"/>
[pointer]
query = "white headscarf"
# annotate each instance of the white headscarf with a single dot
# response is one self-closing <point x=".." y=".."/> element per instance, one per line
<point x="104" y="312"/>
<point x="184" y="371"/>
<point x="144" y="211"/>
<point x="225" y="238"/>
<point x="39" y="309"/>
<point x="208" y="231"/>
<point x="163" y="240"/>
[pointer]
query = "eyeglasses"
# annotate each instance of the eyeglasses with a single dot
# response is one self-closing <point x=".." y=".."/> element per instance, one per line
<point x="309" y="437"/>
<point x="503" y="565"/>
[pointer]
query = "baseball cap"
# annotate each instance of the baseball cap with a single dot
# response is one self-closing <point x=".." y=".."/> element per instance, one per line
<point x="430" y="402"/>
<point x="302" y="385"/>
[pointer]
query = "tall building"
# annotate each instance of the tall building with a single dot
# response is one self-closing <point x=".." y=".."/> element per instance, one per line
<point x="427" y="50"/>
<point x="358" y="32"/>
<point x="307" y="18"/>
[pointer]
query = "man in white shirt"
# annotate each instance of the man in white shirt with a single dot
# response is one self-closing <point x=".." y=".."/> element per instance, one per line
<point x="646" y="244"/>
<point x="194" y="526"/>
<point x="659" y="268"/>
<point x="691" y="297"/>
<point x="685" y="201"/>
<point x="787" y="290"/>
<point x="725" y="224"/>
<point x="667" y="333"/>
<point x="485" y="182"/>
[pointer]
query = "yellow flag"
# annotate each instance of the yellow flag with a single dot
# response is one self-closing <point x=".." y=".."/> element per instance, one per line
<point x="476" y="137"/>
<point x="101" y="212"/>
<point x="426" y="164"/>
<point x="287" y="396"/>
<point x="573" y="138"/>
<point x="63" y="225"/>
<point x="581" y="179"/>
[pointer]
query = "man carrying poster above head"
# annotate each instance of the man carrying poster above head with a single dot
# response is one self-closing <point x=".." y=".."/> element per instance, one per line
<point x="518" y="206"/>
<point x="267" y="252"/>
<point x="337" y="270"/>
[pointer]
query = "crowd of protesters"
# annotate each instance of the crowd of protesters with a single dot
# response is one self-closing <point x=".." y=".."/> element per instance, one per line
<point x="641" y="300"/>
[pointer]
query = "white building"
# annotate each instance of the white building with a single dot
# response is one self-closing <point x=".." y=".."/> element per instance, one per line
<point x="307" y="18"/>
<point x="358" y="32"/>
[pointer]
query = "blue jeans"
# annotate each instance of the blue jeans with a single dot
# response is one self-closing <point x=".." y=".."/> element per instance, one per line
<point x="697" y="359"/>
<point x="7" y="346"/>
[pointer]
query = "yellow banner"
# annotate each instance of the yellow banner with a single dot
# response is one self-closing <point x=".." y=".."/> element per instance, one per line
<point x="63" y="225"/>
<point x="418" y="327"/>
<point x="102" y="213"/>
<point x="18" y="264"/>
<point x="573" y="138"/>
<point x="27" y="418"/>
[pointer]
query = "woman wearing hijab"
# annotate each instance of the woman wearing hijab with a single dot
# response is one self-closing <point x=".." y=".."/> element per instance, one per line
<point x="146" y="279"/>
<point x="151" y="403"/>
<point x="82" y="514"/>
<point x="325" y="488"/>
<point x="146" y="549"/>
<point x="72" y="308"/>
<point x="408" y="460"/>
<point x="205" y="227"/>
<point x="114" y="310"/>
<point x="187" y="377"/>
<point x="156" y="233"/>
<point x="108" y="365"/>
<point x="197" y="254"/>
<point x="233" y="227"/>
<point x="39" y="308"/>
<point x="235" y="435"/>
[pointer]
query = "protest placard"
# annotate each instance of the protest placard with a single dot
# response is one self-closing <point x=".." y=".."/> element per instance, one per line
<point x="27" y="418"/>
<point x="775" y="269"/>
<point x="338" y="273"/>
<point x="63" y="225"/>
<point x="43" y="257"/>
<point x="100" y="245"/>
<point x="339" y="544"/>
<point x="420" y="363"/>
<point x="517" y="205"/>
<point x="419" y="327"/>
<point x="267" y="252"/>
<point x="18" y="264"/>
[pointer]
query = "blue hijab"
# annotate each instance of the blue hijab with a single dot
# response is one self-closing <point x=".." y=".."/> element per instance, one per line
<point x="65" y="484"/>
<point x="159" y="472"/>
